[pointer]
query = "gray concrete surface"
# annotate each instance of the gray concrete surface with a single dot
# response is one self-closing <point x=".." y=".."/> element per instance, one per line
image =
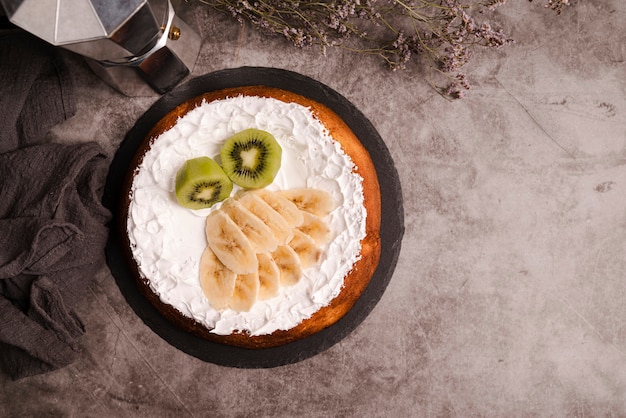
<point x="509" y="294"/>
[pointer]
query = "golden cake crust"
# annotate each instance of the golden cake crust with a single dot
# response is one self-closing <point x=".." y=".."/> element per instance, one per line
<point x="355" y="281"/>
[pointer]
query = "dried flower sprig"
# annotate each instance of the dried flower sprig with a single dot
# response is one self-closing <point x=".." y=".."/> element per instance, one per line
<point x="442" y="32"/>
<point x="556" y="5"/>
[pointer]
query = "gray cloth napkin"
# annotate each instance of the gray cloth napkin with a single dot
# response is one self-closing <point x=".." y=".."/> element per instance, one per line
<point x="52" y="223"/>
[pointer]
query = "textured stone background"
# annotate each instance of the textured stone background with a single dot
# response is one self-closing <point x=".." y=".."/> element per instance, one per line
<point x="508" y="297"/>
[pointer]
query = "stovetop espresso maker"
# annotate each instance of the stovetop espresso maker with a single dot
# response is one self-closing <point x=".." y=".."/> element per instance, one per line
<point x="140" y="47"/>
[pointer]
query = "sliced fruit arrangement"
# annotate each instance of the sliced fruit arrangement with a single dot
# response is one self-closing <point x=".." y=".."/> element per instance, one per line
<point x="287" y="209"/>
<point x="274" y="220"/>
<point x="313" y="201"/>
<point x="215" y="276"/>
<point x="201" y="183"/>
<point x="251" y="158"/>
<point x="229" y="243"/>
<point x="269" y="276"/>
<point x="258" y="241"/>
<point x="246" y="292"/>
<point x="258" y="233"/>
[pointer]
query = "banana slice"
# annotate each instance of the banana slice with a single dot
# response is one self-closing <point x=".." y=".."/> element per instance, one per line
<point x="217" y="281"/>
<point x="315" y="227"/>
<point x="229" y="244"/>
<point x="285" y="207"/>
<point x="306" y="248"/>
<point x="289" y="265"/>
<point x="260" y="235"/>
<point x="246" y="292"/>
<point x="315" y="201"/>
<point x="271" y="218"/>
<point x="269" y="276"/>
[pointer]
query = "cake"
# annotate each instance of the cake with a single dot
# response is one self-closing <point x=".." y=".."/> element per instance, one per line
<point x="165" y="241"/>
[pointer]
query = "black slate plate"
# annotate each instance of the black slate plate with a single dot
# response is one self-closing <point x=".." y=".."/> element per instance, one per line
<point x="392" y="228"/>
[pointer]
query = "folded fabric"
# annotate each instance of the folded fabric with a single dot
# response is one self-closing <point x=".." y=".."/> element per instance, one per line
<point x="36" y="89"/>
<point x="52" y="223"/>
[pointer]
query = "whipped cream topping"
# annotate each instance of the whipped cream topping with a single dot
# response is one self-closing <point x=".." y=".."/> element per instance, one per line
<point x="167" y="240"/>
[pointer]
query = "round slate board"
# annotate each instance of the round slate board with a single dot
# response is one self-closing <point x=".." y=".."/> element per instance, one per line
<point x="392" y="228"/>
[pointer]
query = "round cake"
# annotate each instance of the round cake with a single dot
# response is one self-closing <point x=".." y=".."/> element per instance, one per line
<point x="166" y="241"/>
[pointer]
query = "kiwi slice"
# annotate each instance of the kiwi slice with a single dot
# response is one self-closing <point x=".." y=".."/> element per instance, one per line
<point x="201" y="183"/>
<point x="251" y="158"/>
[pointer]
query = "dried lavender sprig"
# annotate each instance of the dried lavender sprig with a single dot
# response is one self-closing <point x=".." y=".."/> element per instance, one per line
<point x="556" y="5"/>
<point x="443" y="31"/>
